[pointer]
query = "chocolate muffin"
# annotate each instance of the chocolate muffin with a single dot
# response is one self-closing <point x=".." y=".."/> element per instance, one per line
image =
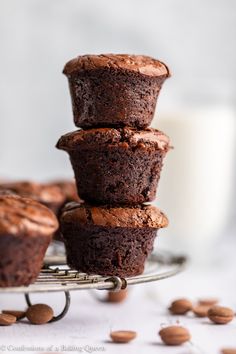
<point x="114" y="90"/>
<point x="110" y="240"/>
<point x="26" y="228"/>
<point x="116" y="166"/>
<point x="50" y="195"/>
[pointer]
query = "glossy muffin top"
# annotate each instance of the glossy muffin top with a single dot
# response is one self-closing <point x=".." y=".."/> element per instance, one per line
<point x="137" y="63"/>
<point x="128" y="216"/>
<point x="68" y="188"/>
<point x="125" y="137"/>
<point x="25" y="217"/>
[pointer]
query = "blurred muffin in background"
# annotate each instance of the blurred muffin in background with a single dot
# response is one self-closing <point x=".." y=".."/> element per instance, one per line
<point x="68" y="188"/>
<point x="53" y="194"/>
<point x="5" y="192"/>
<point x="47" y="194"/>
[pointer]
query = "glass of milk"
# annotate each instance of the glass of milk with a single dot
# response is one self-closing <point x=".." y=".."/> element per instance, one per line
<point x="197" y="180"/>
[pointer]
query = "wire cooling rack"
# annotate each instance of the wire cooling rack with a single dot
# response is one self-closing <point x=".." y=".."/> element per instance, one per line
<point x="56" y="276"/>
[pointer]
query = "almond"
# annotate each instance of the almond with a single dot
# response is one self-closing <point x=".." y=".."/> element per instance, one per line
<point x="180" y="307"/>
<point x="123" y="336"/>
<point x="117" y="296"/>
<point x="6" y="320"/>
<point x="211" y="301"/>
<point x="39" y="314"/>
<point x="200" y="310"/>
<point x="18" y="314"/>
<point x="174" y="335"/>
<point x="228" y="351"/>
<point x="220" y="314"/>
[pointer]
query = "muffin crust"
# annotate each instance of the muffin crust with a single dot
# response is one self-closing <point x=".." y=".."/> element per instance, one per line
<point x="125" y="137"/>
<point x="138" y="63"/>
<point x="136" y="216"/>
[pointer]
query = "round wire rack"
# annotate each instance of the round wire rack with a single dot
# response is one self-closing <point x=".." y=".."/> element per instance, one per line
<point x="56" y="276"/>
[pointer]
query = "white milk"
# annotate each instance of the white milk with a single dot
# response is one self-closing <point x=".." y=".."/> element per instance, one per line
<point x="197" y="183"/>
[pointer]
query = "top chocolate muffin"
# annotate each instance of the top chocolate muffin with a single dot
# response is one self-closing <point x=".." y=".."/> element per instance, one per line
<point x="114" y="89"/>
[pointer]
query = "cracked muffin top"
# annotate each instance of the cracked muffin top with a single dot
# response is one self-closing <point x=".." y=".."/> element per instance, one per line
<point x="137" y="63"/>
<point x="129" y="216"/>
<point x="126" y="137"/>
<point x="25" y="217"/>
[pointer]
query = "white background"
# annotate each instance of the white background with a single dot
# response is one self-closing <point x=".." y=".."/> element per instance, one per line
<point x="37" y="37"/>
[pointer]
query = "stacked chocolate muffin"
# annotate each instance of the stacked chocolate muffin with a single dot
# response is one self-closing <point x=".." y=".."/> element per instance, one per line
<point x="117" y="161"/>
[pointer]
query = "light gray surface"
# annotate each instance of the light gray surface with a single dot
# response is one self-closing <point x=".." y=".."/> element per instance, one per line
<point x="89" y="321"/>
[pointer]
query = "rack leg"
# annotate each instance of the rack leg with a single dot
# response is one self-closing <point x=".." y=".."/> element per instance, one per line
<point x="63" y="313"/>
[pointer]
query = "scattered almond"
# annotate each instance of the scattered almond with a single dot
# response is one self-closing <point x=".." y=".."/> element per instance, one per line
<point x="220" y="314"/>
<point x="117" y="296"/>
<point x="180" y="306"/>
<point x="228" y="351"/>
<point x="200" y="310"/>
<point x="39" y="314"/>
<point x="174" y="335"/>
<point x="208" y="301"/>
<point x="123" y="336"/>
<point x="18" y="314"/>
<point x="6" y="320"/>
